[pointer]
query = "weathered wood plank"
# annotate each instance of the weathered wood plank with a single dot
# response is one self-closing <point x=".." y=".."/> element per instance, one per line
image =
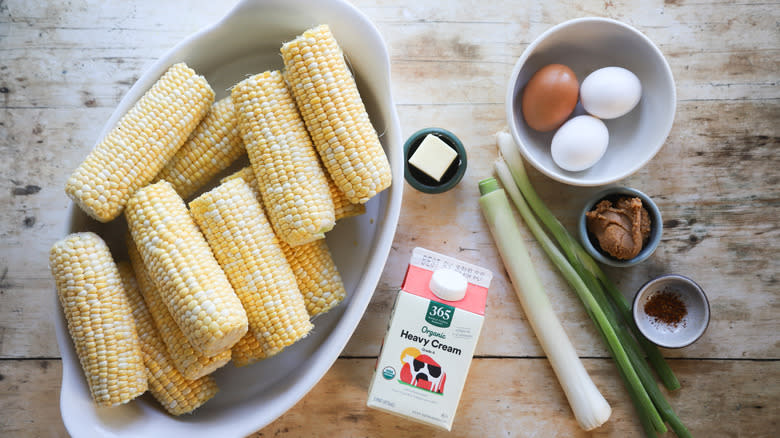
<point x="87" y="14"/>
<point x="29" y="398"/>
<point x="503" y="397"/>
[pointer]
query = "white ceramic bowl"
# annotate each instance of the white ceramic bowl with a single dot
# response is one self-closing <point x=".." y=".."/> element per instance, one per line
<point x="585" y="45"/>
<point x="693" y="324"/>
<point x="246" y="41"/>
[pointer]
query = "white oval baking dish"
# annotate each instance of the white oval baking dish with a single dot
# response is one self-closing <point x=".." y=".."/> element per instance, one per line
<point x="247" y="41"/>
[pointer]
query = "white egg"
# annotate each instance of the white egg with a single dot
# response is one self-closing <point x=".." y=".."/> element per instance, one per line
<point x="579" y="143"/>
<point x="610" y="92"/>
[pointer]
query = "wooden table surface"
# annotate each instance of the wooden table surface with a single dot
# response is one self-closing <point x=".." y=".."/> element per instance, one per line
<point x="65" y="65"/>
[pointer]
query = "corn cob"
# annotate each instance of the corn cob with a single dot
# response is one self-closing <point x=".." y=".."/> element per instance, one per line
<point x="141" y="143"/>
<point x="317" y="277"/>
<point x="248" y="351"/>
<point x="211" y="148"/>
<point x="343" y="208"/>
<point x="292" y="184"/>
<point x="189" y="362"/>
<point x="330" y="104"/>
<point x="184" y="270"/>
<point x="248" y="175"/>
<point x="99" y="318"/>
<point x="177" y="394"/>
<point x="316" y="274"/>
<point x="341" y="205"/>
<point x="247" y="249"/>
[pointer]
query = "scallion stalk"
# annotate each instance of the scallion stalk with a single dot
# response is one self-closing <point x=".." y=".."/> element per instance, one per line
<point x="576" y="253"/>
<point x="590" y="408"/>
<point x="597" y="312"/>
<point x="615" y="308"/>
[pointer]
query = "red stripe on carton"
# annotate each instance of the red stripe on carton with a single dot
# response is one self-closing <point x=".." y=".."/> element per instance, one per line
<point x="417" y="282"/>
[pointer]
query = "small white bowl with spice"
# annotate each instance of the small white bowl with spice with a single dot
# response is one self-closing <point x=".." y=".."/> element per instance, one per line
<point x="671" y="311"/>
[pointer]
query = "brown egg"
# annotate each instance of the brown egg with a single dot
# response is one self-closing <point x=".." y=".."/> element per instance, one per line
<point x="549" y="97"/>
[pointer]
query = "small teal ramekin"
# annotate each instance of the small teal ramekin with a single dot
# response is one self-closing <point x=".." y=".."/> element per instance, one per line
<point x="452" y="175"/>
<point x="590" y="242"/>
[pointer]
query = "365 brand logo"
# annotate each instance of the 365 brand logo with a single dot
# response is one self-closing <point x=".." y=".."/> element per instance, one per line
<point x="439" y="314"/>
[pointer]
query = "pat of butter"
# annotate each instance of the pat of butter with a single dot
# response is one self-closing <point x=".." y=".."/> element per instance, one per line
<point x="433" y="157"/>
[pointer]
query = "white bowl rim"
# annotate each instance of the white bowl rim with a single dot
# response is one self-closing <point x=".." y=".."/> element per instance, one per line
<point x="370" y="278"/>
<point x="510" y="98"/>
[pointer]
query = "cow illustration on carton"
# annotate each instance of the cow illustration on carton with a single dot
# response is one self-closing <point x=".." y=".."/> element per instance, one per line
<point x="421" y="371"/>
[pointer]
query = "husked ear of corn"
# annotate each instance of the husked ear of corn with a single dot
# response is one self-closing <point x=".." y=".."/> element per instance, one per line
<point x="141" y="143"/>
<point x="189" y="362"/>
<point x="316" y="274"/>
<point x="177" y="394"/>
<point x="248" y="351"/>
<point x="247" y="249"/>
<point x="248" y="175"/>
<point x="212" y="147"/>
<point x="330" y="104"/>
<point x="343" y="208"/>
<point x="99" y="318"/>
<point x="292" y="184"/>
<point x="184" y="271"/>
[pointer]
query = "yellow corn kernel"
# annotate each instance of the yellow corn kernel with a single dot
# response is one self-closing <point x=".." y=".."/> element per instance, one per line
<point x="140" y="144"/>
<point x="330" y="104"/>
<point x="177" y="394"/>
<point x="247" y="249"/>
<point x="212" y="147"/>
<point x="189" y="362"/>
<point x="292" y="184"/>
<point x="99" y="318"/>
<point x="184" y="270"/>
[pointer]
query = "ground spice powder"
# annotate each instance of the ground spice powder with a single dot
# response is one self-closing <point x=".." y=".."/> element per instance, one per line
<point x="666" y="307"/>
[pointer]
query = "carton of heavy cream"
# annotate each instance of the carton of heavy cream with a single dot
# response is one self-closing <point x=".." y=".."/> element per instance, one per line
<point x="430" y="340"/>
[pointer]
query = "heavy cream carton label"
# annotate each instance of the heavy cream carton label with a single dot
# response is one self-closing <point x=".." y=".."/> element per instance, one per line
<point x="427" y="351"/>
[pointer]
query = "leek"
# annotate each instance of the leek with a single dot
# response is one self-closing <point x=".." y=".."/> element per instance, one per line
<point x="590" y="408"/>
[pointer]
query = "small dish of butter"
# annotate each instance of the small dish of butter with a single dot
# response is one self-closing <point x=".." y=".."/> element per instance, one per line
<point x="435" y="160"/>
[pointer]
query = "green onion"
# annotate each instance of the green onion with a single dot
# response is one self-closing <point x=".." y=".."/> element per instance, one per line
<point x="590" y="408"/>
<point x="576" y="255"/>
<point x="590" y="283"/>
<point x="644" y="404"/>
